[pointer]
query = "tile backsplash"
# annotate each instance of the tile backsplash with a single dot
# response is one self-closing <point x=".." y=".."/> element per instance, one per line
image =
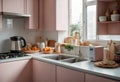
<point x="16" y="29"/>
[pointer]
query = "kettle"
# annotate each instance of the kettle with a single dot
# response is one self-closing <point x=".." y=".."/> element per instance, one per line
<point x="17" y="43"/>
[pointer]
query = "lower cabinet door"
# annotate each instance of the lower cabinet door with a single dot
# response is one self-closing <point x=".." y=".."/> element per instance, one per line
<point x="67" y="75"/>
<point x="43" y="72"/>
<point x="93" y="78"/>
<point x="17" y="71"/>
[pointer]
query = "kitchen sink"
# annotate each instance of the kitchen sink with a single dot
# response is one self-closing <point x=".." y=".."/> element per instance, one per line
<point x="65" y="58"/>
<point x="74" y="60"/>
<point x="58" y="57"/>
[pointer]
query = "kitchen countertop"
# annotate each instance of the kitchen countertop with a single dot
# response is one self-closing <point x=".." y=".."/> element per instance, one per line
<point x="82" y="66"/>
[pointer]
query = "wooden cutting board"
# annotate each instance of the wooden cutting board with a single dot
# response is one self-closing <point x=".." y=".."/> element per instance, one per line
<point x="101" y="64"/>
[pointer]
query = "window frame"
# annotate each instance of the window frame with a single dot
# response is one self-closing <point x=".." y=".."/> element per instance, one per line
<point x="85" y="5"/>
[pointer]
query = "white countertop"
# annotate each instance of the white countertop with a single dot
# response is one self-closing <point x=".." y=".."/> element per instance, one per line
<point x="82" y="66"/>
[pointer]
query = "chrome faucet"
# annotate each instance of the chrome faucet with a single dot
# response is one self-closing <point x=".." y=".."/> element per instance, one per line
<point x="80" y="56"/>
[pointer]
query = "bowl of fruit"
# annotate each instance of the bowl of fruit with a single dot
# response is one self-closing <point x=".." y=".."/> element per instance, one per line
<point x="31" y="49"/>
<point x="47" y="50"/>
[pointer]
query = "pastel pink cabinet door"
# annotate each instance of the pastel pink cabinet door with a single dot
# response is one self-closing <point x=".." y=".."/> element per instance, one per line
<point x="93" y="78"/>
<point x="55" y="15"/>
<point x="0" y="15"/>
<point x="14" y="6"/>
<point x="0" y="5"/>
<point x="17" y="71"/>
<point x="41" y="14"/>
<point x="67" y="75"/>
<point x="49" y="15"/>
<point x="61" y="15"/>
<point x="43" y="72"/>
<point x="32" y="9"/>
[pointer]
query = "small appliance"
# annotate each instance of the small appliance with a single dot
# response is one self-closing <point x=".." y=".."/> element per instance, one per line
<point x="92" y="53"/>
<point x="17" y="43"/>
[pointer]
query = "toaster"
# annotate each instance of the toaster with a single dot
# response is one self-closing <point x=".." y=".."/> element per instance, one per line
<point x="92" y="53"/>
<point x="96" y="53"/>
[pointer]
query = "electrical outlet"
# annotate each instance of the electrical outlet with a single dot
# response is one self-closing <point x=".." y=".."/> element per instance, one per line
<point x="9" y="23"/>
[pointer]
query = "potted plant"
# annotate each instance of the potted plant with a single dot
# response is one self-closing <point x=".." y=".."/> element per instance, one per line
<point x="69" y="47"/>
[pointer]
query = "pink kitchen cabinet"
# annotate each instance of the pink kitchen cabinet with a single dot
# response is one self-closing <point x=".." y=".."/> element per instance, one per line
<point x="32" y="9"/>
<point x="14" y="6"/>
<point x="16" y="71"/>
<point x="0" y="22"/>
<point x="43" y="72"/>
<point x="93" y="78"/>
<point x="67" y="75"/>
<point x="107" y="27"/>
<point x="55" y="15"/>
<point x="41" y="14"/>
<point x="0" y="15"/>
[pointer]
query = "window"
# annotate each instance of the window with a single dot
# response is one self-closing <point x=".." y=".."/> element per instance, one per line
<point x="82" y="18"/>
<point x="76" y="17"/>
<point x="91" y="21"/>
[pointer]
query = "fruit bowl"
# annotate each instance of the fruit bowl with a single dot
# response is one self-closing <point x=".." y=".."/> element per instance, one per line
<point x="47" y="52"/>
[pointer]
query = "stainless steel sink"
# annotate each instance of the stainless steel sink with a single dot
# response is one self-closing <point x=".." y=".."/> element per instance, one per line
<point x="74" y="60"/>
<point x="65" y="58"/>
<point x="58" y="57"/>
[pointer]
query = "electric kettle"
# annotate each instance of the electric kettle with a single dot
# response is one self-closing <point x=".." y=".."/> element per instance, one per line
<point x="17" y="43"/>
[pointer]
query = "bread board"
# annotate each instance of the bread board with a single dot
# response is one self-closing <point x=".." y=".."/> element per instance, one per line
<point x="103" y="65"/>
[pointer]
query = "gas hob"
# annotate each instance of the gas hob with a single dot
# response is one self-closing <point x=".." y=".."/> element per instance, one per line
<point x="9" y="55"/>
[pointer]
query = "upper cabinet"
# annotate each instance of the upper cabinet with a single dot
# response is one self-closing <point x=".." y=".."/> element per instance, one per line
<point x="108" y="17"/>
<point x="41" y="14"/>
<point x="0" y="15"/>
<point x="55" y="15"/>
<point x="32" y="9"/>
<point x="14" y="6"/>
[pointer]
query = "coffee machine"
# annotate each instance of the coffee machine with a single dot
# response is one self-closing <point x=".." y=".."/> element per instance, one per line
<point x="17" y="43"/>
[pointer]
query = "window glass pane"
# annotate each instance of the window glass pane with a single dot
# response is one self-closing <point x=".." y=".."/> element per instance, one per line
<point x="91" y="22"/>
<point x="76" y="14"/>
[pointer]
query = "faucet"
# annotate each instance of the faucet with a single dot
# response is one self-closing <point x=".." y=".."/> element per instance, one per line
<point x="80" y="57"/>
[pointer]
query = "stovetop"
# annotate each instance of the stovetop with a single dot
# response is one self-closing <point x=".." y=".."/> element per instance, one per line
<point x="9" y="55"/>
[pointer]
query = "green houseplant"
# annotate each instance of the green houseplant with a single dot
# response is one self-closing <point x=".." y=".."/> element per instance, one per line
<point x="69" y="47"/>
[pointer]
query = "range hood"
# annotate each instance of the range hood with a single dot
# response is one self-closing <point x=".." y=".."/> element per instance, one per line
<point x="14" y="14"/>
